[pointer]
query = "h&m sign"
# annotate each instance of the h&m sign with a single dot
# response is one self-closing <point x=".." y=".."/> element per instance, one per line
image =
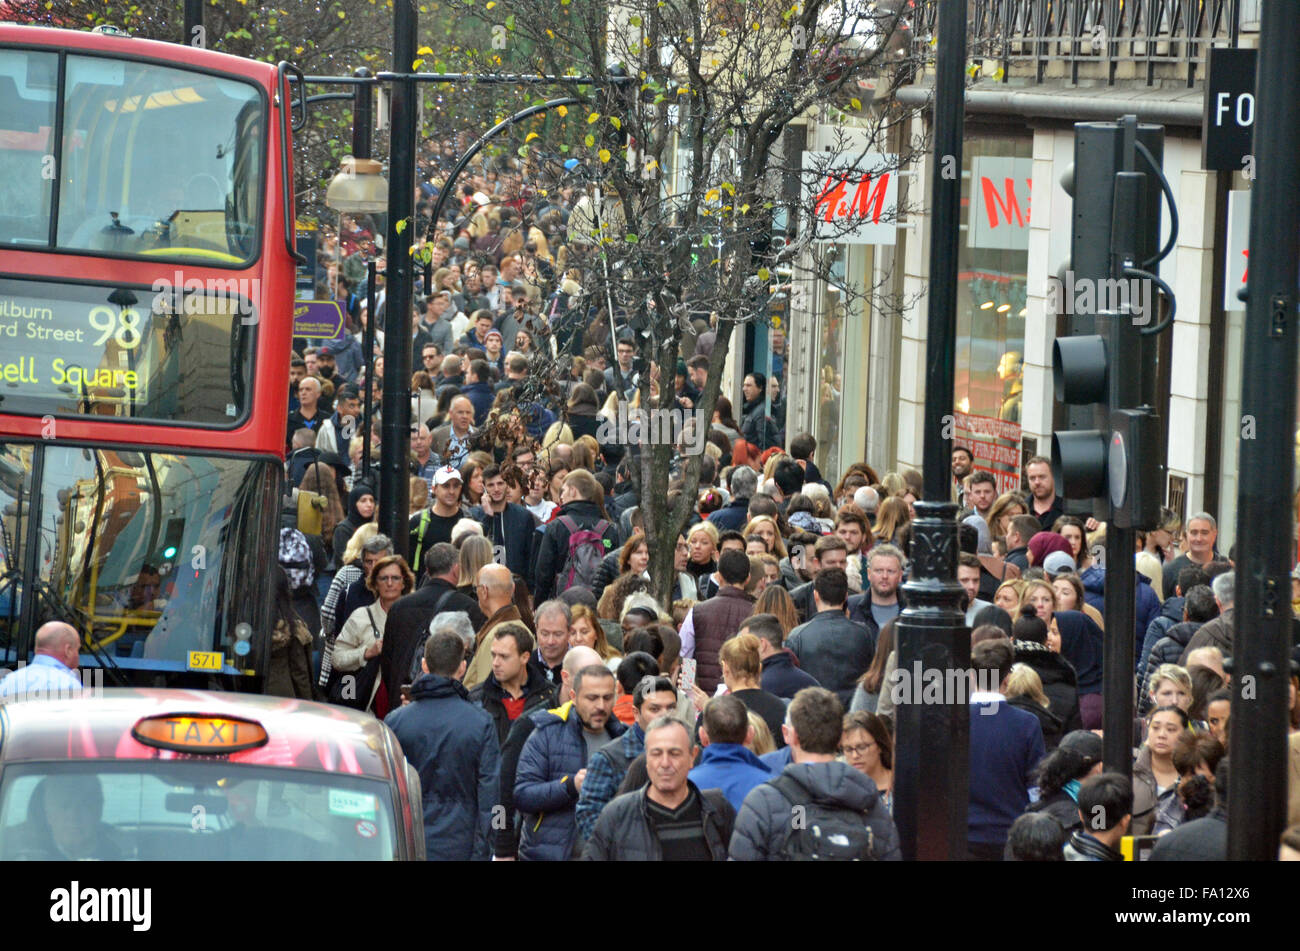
<point x="999" y="202"/>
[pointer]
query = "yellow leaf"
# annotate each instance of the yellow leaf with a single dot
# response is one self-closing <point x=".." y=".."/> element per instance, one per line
<point x="613" y="120"/>
<point x="764" y="274"/>
<point x="594" y="117"/>
<point x="400" y="226"/>
<point x="712" y="195"/>
<point x="562" y="111"/>
<point x="856" y="104"/>
<point x="424" y="51"/>
<point x="416" y="64"/>
<point x="729" y="188"/>
<point x="531" y="135"/>
<point x="744" y="209"/>
<point x="604" y="155"/>
<point x="491" y="4"/>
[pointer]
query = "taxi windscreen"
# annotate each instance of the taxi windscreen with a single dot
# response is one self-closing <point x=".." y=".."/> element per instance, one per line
<point x="191" y="811"/>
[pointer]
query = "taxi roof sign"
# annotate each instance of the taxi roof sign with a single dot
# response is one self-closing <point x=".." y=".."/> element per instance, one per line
<point x="200" y="733"/>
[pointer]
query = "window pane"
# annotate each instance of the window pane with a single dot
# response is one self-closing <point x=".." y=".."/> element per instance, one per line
<point x="159" y="161"/>
<point x="15" y="513"/>
<point x="152" y="551"/>
<point x="191" y="811"/>
<point x="28" y="86"/>
<point x="106" y="351"/>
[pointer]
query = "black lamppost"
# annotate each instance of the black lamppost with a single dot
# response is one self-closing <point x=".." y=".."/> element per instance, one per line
<point x="1257" y="742"/>
<point x="395" y="424"/>
<point x="932" y="765"/>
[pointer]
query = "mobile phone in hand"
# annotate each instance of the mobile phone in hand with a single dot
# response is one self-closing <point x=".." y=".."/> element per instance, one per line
<point x="688" y="675"/>
<point x="406" y="691"/>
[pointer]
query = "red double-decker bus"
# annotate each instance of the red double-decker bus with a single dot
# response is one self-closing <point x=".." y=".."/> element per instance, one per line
<point x="146" y="287"/>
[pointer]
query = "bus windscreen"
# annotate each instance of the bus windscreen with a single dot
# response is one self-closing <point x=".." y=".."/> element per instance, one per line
<point x="144" y="354"/>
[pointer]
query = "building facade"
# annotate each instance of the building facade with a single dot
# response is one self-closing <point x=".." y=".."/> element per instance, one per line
<point x="857" y="376"/>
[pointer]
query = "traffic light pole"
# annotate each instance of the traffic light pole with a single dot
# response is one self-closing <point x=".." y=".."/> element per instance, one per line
<point x="1257" y="743"/>
<point x="932" y="763"/>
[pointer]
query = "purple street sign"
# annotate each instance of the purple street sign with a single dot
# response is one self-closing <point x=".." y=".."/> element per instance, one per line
<point x="317" y="319"/>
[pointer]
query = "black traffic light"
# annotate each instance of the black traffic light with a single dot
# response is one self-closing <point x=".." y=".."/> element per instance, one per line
<point x="1110" y="455"/>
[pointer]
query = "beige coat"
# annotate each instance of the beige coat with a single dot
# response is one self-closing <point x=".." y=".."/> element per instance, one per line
<point x="355" y="639"/>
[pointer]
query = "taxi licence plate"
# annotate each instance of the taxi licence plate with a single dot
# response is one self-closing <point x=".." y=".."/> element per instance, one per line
<point x="206" y="660"/>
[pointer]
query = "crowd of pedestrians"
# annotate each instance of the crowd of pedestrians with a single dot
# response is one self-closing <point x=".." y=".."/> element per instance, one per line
<point x="555" y="709"/>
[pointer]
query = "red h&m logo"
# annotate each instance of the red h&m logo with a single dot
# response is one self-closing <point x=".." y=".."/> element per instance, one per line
<point x="1006" y="202"/>
<point x="867" y="203"/>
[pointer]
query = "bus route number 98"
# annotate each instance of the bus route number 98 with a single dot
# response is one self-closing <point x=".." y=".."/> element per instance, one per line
<point x="123" y="327"/>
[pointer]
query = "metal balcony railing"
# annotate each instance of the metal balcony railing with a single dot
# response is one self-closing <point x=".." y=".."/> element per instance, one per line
<point x="1028" y="36"/>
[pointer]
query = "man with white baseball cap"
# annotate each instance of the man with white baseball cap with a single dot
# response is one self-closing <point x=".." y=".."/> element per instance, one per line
<point x="435" y="523"/>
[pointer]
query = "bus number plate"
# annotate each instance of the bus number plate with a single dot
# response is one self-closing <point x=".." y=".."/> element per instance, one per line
<point x="206" y="660"/>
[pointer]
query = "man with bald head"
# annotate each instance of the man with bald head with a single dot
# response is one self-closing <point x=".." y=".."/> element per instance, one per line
<point x="506" y="844"/>
<point x="52" y="672"/>
<point x="308" y="415"/>
<point x="496" y="596"/>
<point x="451" y="441"/>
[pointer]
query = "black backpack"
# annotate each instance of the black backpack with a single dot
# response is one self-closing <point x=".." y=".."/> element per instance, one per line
<point x="823" y="833"/>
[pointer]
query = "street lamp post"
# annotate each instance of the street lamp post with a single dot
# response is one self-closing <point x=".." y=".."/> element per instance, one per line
<point x="395" y="425"/>
<point x="932" y="766"/>
<point x="1257" y="784"/>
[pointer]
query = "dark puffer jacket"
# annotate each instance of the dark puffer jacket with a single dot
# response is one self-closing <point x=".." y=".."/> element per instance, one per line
<point x="453" y="746"/>
<point x="623" y="832"/>
<point x="1171" y="613"/>
<point x="545" y="794"/>
<point x="716" y="620"/>
<point x="764" y="821"/>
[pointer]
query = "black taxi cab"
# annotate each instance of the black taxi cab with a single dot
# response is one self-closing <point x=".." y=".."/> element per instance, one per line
<point x="142" y="774"/>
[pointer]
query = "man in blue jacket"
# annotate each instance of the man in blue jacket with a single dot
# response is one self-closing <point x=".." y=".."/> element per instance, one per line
<point x="1006" y="745"/>
<point x="478" y="389"/>
<point x="453" y="745"/>
<point x="726" y="764"/>
<point x="553" y="761"/>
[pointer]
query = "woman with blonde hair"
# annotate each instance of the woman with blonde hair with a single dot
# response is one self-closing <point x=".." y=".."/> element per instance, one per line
<point x="773" y="461"/>
<point x="1008" y="596"/>
<point x="891" y="518"/>
<point x="586" y="631"/>
<point x="766" y="528"/>
<point x="894" y="484"/>
<point x="775" y="600"/>
<point x="1025" y="692"/>
<point x="1006" y="507"/>
<point x="586" y="452"/>
<point x="760" y="741"/>
<point x="475" y="552"/>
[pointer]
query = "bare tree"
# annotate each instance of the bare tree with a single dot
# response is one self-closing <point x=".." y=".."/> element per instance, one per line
<point x="687" y="171"/>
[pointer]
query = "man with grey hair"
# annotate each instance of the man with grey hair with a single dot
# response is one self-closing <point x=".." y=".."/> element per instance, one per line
<point x="1202" y="533"/>
<point x="1217" y="632"/>
<point x="52" y="672"/>
<point x="553" y="620"/>
<point x="454" y="622"/>
<point x="409" y="618"/>
<point x="867" y="499"/>
<point x="734" y="515"/>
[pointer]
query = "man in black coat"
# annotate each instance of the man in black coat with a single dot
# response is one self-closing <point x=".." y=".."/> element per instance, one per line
<point x="515" y="687"/>
<point x="782" y="676"/>
<point x="669" y="819"/>
<point x="408" y="619"/>
<point x="830" y="647"/>
<point x="508" y="526"/>
<point x="734" y="515"/>
<point x="582" y="505"/>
